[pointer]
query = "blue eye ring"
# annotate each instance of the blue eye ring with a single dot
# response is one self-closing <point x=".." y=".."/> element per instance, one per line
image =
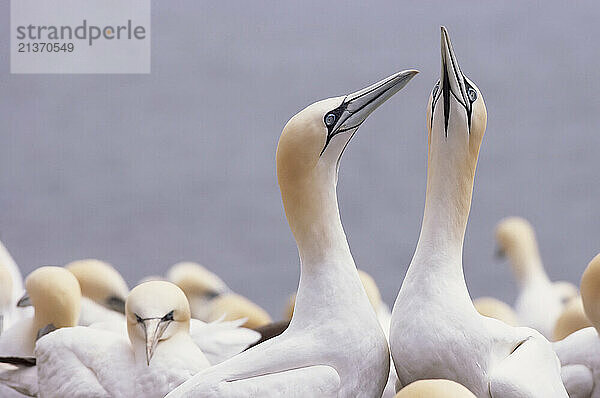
<point x="329" y="119"/>
<point x="472" y="94"/>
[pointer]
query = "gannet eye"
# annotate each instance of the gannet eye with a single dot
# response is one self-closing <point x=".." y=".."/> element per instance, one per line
<point x="329" y="119"/>
<point x="168" y="317"/>
<point x="472" y="94"/>
<point x="138" y="318"/>
<point x="435" y="89"/>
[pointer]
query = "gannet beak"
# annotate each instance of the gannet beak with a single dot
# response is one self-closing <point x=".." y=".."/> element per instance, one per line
<point x="359" y="105"/>
<point x="116" y="304"/>
<point x="153" y="330"/>
<point x="452" y="80"/>
<point x="24" y="301"/>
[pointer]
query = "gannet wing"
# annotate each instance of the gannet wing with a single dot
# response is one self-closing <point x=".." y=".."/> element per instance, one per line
<point x="311" y="381"/>
<point x="220" y="340"/>
<point x="21" y="378"/>
<point x="85" y="362"/>
<point x="531" y="370"/>
<point x="578" y="380"/>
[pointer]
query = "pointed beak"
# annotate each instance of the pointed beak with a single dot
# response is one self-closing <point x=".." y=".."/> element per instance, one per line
<point x="24" y="301"/>
<point x="360" y="104"/>
<point x="154" y="328"/>
<point x="452" y="79"/>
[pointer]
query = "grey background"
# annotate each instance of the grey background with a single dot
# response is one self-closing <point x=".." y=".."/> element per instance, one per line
<point x="147" y="170"/>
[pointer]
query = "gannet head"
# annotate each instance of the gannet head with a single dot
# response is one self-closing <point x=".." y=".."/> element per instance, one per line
<point x="515" y="239"/>
<point x="590" y="291"/>
<point x="435" y="388"/>
<point x="456" y="113"/>
<point x="101" y="283"/>
<point x="196" y="281"/>
<point x="231" y="306"/>
<point x="156" y="311"/>
<point x="313" y="141"/>
<point x="55" y="295"/>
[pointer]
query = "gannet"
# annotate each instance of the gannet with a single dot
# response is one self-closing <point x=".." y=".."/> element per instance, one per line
<point x="435" y="388"/>
<point x="495" y="308"/>
<point x="199" y="285"/>
<point x="54" y="294"/>
<point x="158" y="354"/>
<point x="579" y="352"/>
<point x="540" y="301"/>
<point x="572" y="319"/>
<point x="436" y="331"/>
<point x="327" y="351"/>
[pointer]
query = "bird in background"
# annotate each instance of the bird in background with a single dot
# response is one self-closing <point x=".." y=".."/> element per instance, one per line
<point x="435" y="330"/>
<point x="540" y="301"/>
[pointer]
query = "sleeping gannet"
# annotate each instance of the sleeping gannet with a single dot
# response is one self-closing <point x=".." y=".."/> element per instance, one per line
<point x="435" y="388"/>
<point x="327" y="351"/>
<point x="54" y="294"/>
<point x="540" y="301"/>
<point x="572" y="319"/>
<point x="495" y="308"/>
<point x="436" y="331"/>
<point x="579" y="352"/>
<point x="158" y="354"/>
<point x="199" y="284"/>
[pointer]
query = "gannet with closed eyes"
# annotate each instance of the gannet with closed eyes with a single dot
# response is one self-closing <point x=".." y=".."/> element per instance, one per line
<point x="327" y="351"/>
<point x="435" y="330"/>
<point x="54" y="294"/>
<point x="158" y="354"/>
<point x="579" y="352"/>
<point x="540" y="301"/>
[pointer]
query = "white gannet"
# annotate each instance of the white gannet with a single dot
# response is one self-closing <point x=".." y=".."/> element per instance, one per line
<point x="54" y="294"/>
<point x="327" y="351"/>
<point x="495" y="308"/>
<point x="436" y="331"/>
<point x="158" y="354"/>
<point x="540" y="301"/>
<point x="579" y="352"/>
<point x="572" y="319"/>
<point x="435" y="388"/>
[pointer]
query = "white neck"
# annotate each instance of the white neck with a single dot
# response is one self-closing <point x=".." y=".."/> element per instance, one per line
<point x="328" y="278"/>
<point x="437" y="262"/>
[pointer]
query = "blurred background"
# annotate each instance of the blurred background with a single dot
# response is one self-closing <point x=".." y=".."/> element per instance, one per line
<point x="147" y="170"/>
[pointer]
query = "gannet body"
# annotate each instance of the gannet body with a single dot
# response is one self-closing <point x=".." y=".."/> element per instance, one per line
<point x="327" y="351"/>
<point x="157" y="355"/>
<point x="6" y="297"/>
<point x="494" y="308"/>
<point x="436" y="331"/>
<point x="540" y="301"/>
<point x="435" y="388"/>
<point x="54" y="293"/>
<point x="579" y="352"/>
